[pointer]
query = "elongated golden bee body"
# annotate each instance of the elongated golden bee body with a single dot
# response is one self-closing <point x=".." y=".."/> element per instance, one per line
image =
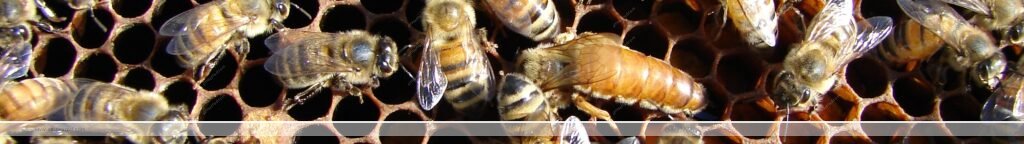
<point x="756" y="20"/>
<point x="910" y="43"/>
<point x="536" y="19"/>
<point x="453" y="64"/>
<point x="202" y="34"/>
<point x="32" y="99"/>
<point x="599" y="66"/>
<point x="98" y="101"/>
<point x="341" y="61"/>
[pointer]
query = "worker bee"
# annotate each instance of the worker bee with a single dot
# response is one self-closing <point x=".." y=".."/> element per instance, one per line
<point x="202" y="34"/>
<point x="833" y="40"/>
<point x="519" y="99"/>
<point x="971" y="47"/>
<point x="755" y="20"/>
<point x="34" y="98"/>
<point x="453" y="63"/>
<point x="910" y="44"/>
<point x="341" y="61"/>
<point x="536" y="19"/>
<point x="582" y="66"/>
<point x="1002" y="16"/>
<point x="16" y="20"/>
<point x="98" y="101"/>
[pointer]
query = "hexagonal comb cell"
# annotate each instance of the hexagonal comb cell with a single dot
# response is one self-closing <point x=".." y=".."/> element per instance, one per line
<point x="402" y="132"/>
<point x="343" y="18"/>
<point x="296" y="19"/>
<point x="56" y="58"/>
<point x="258" y="87"/>
<point x="138" y="78"/>
<point x="915" y="96"/>
<point x="98" y="66"/>
<point x="87" y="32"/>
<point x="131" y="8"/>
<point x="134" y="44"/>
<point x="220" y="108"/>
<point x="314" y="134"/>
<point x="864" y="77"/>
<point x="355" y="109"/>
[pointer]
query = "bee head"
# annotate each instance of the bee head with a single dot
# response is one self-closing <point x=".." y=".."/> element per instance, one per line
<point x="171" y="132"/>
<point x="387" y="56"/>
<point x="1016" y="34"/>
<point x="787" y="92"/>
<point x="449" y="16"/>
<point x="988" y="72"/>
<point x="281" y="8"/>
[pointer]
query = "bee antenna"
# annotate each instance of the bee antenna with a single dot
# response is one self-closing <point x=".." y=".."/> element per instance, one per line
<point x="302" y="10"/>
<point x="97" y="21"/>
<point x="786" y="131"/>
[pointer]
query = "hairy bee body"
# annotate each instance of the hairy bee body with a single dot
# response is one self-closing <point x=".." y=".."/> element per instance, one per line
<point x="599" y="66"/>
<point x="756" y="20"/>
<point x="834" y="39"/>
<point x="911" y="43"/>
<point x="337" y="60"/>
<point x="98" y="101"/>
<point x="17" y="18"/>
<point x="31" y="99"/>
<point x="519" y="99"/>
<point x="202" y="34"/>
<point x="536" y="19"/>
<point x="454" y="64"/>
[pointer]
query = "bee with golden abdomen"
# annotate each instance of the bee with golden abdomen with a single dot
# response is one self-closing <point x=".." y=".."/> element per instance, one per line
<point x="834" y="39"/>
<point x="34" y="98"/>
<point x="346" y="61"/>
<point x="453" y="63"/>
<point x="567" y="72"/>
<point x="98" y="101"/>
<point x="755" y="20"/>
<point x="536" y="19"/>
<point x="971" y="48"/>
<point x="910" y="44"/>
<point x="203" y="34"/>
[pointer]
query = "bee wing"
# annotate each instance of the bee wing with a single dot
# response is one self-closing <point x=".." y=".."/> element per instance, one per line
<point x="629" y="140"/>
<point x="870" y="32"/>
<point x="833" y="16"/>
<point x="933" y="15"/>
<point x="973" y="5"/>
<point x="596" y="42"/>
<point x="15" y="61"/>
<point x="196" y="28"/>
<point x="304" y="59"/>
<point x="286" y="38"/>
<point x="430" y="80"/>
<point x="573" y="132"/>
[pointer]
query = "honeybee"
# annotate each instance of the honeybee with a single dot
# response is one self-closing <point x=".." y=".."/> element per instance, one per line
<point x="341" y="61"/>
<point x="562" y="73"/>
<point x="34" y="98"/>
<point x="16" y="20"/>
<point x="755" y="20"/>
<point x="202" y="34"/>
<point x="536" y="19"/>
<point x="453" y="63"/>
<point x="833" y="40"/>
<point x="98" y="101"/>
<point x="910" y="44"/>
<point x="971" y="47"/>
<point x="1002" y="16"/>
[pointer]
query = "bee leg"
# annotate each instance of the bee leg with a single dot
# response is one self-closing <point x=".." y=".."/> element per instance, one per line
<point x="243" y="48"/>
<point x="44" y="26"/>
<point x="47" y="12"/>
<point x="211" y="62"/>
<point x="725" y="19"/>
<point x="97" y="21"/>
<point x="301" y="97"/>
<point x="582" y="104"/>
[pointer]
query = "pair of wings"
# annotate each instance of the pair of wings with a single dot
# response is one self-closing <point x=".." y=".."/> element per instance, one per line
<point x="936" y="16"/>
<point x="14" y="61"/>
<point x="199" y="28"/>
<point x="837" y="15"/>
<point x="431" y="82"/>
<point x="299" y="53"/>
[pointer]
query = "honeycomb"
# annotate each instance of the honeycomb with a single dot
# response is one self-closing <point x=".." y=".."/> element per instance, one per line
<point x="736" y="75"/>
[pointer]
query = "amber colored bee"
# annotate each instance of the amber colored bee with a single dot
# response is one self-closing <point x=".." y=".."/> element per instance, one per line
<point x="453" y="63"/>
<point x="972" y="48"/>
<point x="584" y="66"/>
<point x="202" y="34"/>
<point x="910" y="44"/>
<point x="98" y="101"/>
<point x="756" y="20"/>
<point x="34" y="98"/>
<point x="536" y="19"/>
<point x="833" y="40"/>
<point x="341" y="61"/>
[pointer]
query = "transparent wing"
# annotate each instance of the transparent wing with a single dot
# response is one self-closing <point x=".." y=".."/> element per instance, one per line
<point x="286" y="38"/>
<point x="573" y="132"/>
<point x="198" y="28"/>
<point x="973" y="5"/>
<point x="430" y="80"/>
<point x="303" y="59"/>
<point x="933" y="15"/>
<point x="833" y="16"/>
<point x="15" y="61"/>
<point x="870" y="32"/>
<point x="629" y="140"/>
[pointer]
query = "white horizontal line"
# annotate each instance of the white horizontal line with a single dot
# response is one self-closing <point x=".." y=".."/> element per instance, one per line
<point x="514" y="122"/>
